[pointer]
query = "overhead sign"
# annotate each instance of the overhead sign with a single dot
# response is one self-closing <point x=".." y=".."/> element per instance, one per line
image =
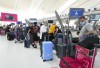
<point x="76" y="12"/>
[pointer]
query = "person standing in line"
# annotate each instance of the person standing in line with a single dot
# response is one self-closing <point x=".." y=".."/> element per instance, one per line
<point x="52" y="31"/>
<point x="86" y="28"/>
<point x="35" y="31"/>
<point x="29" y="31"/>
<point x="43" y="33"/>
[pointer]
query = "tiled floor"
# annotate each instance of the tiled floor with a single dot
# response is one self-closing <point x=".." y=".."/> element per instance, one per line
<point x="16" y="56"/>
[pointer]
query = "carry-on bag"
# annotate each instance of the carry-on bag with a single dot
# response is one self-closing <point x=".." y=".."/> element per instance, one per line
<point x="47" y="50"/>
<point x="61" y="50"/>
<point x="10" y="36"/>
<point x="27" y="41"/>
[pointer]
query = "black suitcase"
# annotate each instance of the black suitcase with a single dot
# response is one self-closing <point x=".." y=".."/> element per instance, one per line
<point x="61" y="50"/>
<point x="26" y="43"/>
<point x="10" y="36"/>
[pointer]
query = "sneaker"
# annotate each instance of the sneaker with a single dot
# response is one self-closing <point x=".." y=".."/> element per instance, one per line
<point x="32" y="45"/>
<point x="35" y="46"/>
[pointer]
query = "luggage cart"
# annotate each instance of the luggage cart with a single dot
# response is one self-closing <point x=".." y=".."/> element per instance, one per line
<point x="82" y="59"/>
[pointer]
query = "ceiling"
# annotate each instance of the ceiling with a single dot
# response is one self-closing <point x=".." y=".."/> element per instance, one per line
<point x="86" y="4"/>
<point x="33" y="6"/>
<point x="46" y="8"/>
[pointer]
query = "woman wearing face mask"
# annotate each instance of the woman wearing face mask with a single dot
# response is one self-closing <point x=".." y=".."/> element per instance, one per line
<point x="86" y="28"/>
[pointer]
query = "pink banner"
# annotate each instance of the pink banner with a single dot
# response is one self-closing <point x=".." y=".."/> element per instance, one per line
<point x="9" y="17"/>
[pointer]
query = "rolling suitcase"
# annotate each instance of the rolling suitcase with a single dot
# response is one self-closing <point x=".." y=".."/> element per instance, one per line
<point x="47" y="49"/>
<point x="10" y="36"/>
<point x="58" y="40"/>
<point x="45" y="37"/>
<point x="26" y="43"/>
<point x="61" y="50"/>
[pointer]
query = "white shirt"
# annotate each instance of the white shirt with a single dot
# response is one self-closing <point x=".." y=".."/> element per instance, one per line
<point x="43" y="29"/>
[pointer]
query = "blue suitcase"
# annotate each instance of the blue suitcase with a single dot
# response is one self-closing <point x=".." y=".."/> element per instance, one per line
<point x="47" y="48"/>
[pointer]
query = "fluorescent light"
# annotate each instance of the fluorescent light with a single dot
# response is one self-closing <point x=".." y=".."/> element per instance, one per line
<point x="66" y="5"/>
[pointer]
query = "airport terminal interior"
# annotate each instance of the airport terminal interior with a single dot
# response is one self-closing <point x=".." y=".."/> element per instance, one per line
<point x="49" y="33"/>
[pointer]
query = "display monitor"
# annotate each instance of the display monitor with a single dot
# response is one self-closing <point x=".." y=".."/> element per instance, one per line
<point x="9" y="17"/>
<point x="94" y="17"/>
<point x="76" y="12"/>
<point x="50" y="21"/>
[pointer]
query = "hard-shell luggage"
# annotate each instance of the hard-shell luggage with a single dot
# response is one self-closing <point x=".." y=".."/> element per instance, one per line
<point x="47" y="49"/>
<point x="2" y="32"/>
<point x="61" y="50"/>
<point x="58" y="40"/>
<point x="26" y="43"/>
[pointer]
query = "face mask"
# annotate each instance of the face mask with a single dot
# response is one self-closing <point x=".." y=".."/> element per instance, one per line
<point x="82" y="23"/>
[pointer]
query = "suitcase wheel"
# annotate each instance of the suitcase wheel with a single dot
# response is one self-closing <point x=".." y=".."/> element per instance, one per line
<point x="44" y="60"/>
<point x="51" y="59"/>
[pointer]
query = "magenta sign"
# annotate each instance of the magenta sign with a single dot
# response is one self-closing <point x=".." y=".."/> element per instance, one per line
<point x="9" y="17"/>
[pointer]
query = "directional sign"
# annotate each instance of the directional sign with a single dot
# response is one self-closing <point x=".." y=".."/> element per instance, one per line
<point x="76" y="12"/>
